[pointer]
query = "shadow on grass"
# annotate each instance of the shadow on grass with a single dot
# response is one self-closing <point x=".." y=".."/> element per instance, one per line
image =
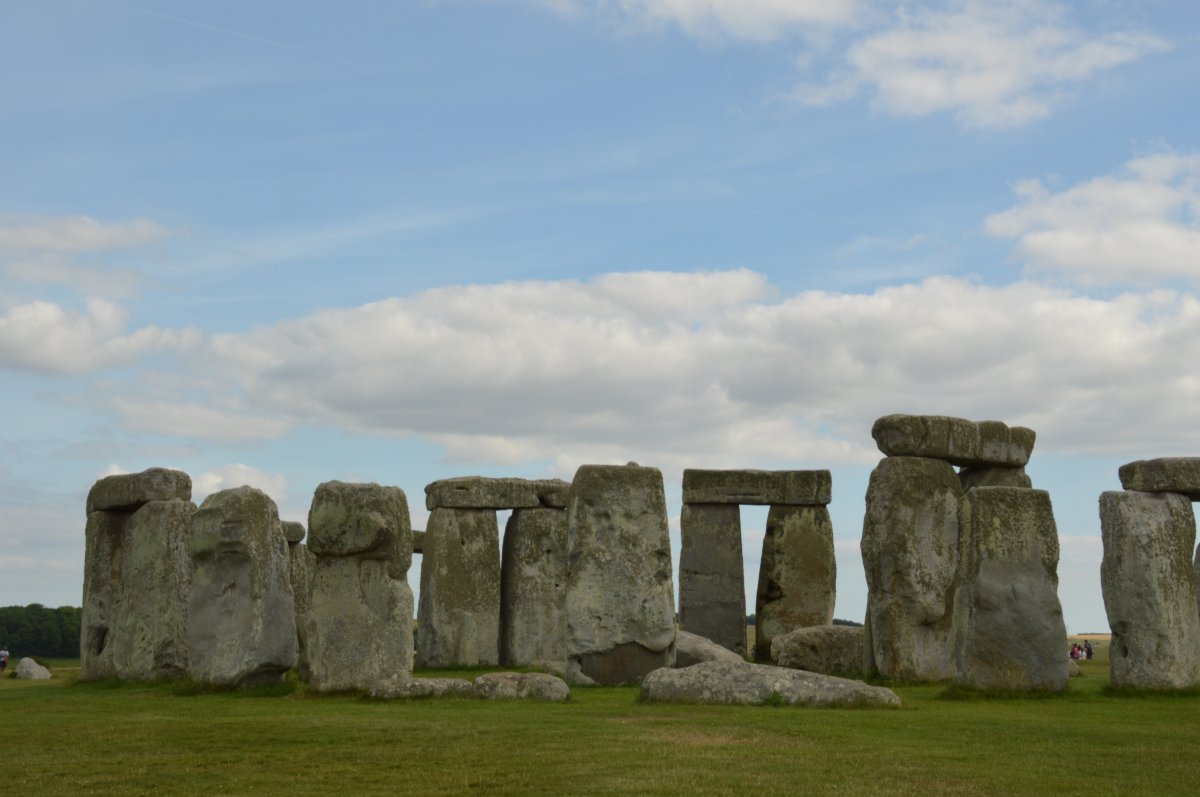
<point x="1187" y="693"/>
<point x="956" y="692"/>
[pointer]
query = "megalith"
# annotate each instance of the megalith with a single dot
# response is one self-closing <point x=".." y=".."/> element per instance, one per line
<point x="300" y="564"/>
<point x="1149" y="589"/>
<point x="712" y="591"/>
<point x="241" y="612"/>
<point x="533" y="587"/>
<point x="620" y="595"/>
<point x="358" y="627"/>
<point x="798" y="574"/>
<point x="956" y="440"/>
<point x="1164" y="475"/>
<point x="1008" y="623"/>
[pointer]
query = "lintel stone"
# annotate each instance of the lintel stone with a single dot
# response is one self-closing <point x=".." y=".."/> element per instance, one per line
<point x="129" y="491"/>
<point x="481" y="492"/>
<point x="955" y="440"/>
<point x="758" y="487"/>
<point x="1165" y="475"/>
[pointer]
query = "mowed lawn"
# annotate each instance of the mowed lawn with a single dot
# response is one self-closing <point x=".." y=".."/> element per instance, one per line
<point x="65" y="738"/>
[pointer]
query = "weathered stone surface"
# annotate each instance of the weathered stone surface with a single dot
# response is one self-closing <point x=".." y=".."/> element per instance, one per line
<point x="357" y="628"/>
<point x="994" y="477"/>
<point x="127" y="492"/>
<point x="515" y="685"/>
<point x="743" y="683"/>
<point x="759" y="487"/>
<point x="30" y="670"/>
<point x="1166" y="475"/>
<point x="1008" y="624"/>
<point x="1073" y="668"/>
<point x="692" y="649"/>
<point x="458" y="619"/>
<point x="910" y="557"/>
<point x="403" y="687"/>
<point x="1196" y="577"/>
<point x="556" y="667"/>
<point x="418" y="541"/>
<point x="798" y="575"/>
<point x="828" y="649"/>
<point x="300" y="566"/>
<point x="955" y="440"/>
<point x="533" y="587"/>
<point x="620" y="596"/>
<point x="241" y="612"/>
<point x="712" y="591"/>
<point x="1149" y="589"/>
<point x="480" y="492"/>
<point x="293" y="532"/>
<point x="103" y="589"/>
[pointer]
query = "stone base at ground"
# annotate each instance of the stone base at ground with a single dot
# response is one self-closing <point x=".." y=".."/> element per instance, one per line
<point x="692" y="649"/>
<point x="712" y="592"/>
<point x="30" y="670"/>
<point x="797" y="578"/>
<point x="828" y="649"/>
<point x="743" y="683"/>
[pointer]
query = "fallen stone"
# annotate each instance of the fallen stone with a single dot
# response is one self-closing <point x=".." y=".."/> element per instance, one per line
<point x="1149" y="590"/>
<point x="1073" y="668"/>
<point x="620" y="594"/>
<point x="533" y="587"/>
<point x="743" y="683"/>
<point x="401" y="687"/>
<point x="994" y="477"/>
<point x="30" y="670"/>
<point x="692" y="649"/>
<point x="712" y="592"/>
<point x="1008" y="623"/>
<point x="480" y="492"/>
<point x="758" y="487"/>
<point x="1166" y="475"/>
<point x="797" y="579"/>
<point x="514" y="685"/>
<point x="827" y="649"/>
<point x="127" y="492"/>
<point x="293" y="532"/>
<point x="557" y="668"/>
<point x="910" y="558"/>
<point x="955" y="440"/>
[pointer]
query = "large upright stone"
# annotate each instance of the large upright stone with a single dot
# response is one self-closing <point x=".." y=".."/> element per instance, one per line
<point x="1008" y="623"/>
<point x="994" y="477"/>
<point x="712" y="591"/>
<point x="357" y="629"/>
<point x="533" y="587"/>
<point x="103" y="590"/>
<point x="910" y="557"/>
<point x="458" y="617"/>
<point x="241" y="612"/>
<point x="797" y="579"/>
<point x="481" y="492"/>
<point x="128" y="491"/>
<point x="1166" y="475"/>
<point x="1149" y="589"/>
<point x="620" y="596"/>
<point x="956" y="440"/>
<point x="757" y="487"/>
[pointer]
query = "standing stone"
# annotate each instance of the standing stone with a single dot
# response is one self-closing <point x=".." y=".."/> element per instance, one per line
<point x="458" y="619"/>
<point x="712" y="592"/>
<point x="994" y="477"/>
<point x="103" y="589"/>
<point x="1149" y="589"/>
<point x="1196" y="577"/>
<point x="620" y="596"/>
<point x="798" y="574"/>
<point x="910" y="557"/>
<point x="955" y="440"/>
<point x="533" y="587"/>
<point x="357" y="629"/>
<point x="1008" y="623"/>
<point x="241" y="613"/>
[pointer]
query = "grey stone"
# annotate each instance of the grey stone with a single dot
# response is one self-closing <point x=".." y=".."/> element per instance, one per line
<point x="1149" y="589"/>
<point x="712" y="592"/>
<point x="300" y="566"/>
<point x="1008" y="624"/>
<point x="620" y="595"/>
<point x="692" y="649"/>
<point x="910" y="557"/>
<point x="758" y="487"/>
<point x="127" y="492"/>
<point x="994" y="477"/>
<point x="458" y="617"/>
<point x="30" y="670"/>
<point x="1196" y="577"/>
<point x="400" y="687"/>
<point x="241" y="612"/>
<point x="357" y="630"/>
<point x="1166" y="475"/>
<point x="418" y="541"/>
<point x="1073" y="668"/>
<point x="798" y="575"/>
<point x="557" y="668"/>
<point x="293" y="532"/>
<point x="828" y="649"/>
<point x="103" y="590"/>
<point x="955" y="440"/>
<point x="515" y="685"/>
<point x="533" y="587"/>
<point x="480" y="492"/>
<point x="743" y="683"/>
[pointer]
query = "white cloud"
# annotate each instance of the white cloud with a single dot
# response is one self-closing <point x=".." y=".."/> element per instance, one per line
<point x="75" y="234"/>
<point x="189" y="419"/>
<point x="759" y="20"/>
<point x="238" y="475"/>
<point x="1139" y="225"/>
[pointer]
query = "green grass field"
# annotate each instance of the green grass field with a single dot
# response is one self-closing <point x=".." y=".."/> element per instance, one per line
<point x="63" y="738"/>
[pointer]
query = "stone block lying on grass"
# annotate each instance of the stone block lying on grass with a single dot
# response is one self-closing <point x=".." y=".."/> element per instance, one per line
<point x="743" y="683"/>
<point x="828" y="649"/>
<point x="30" y="670"/>
<point x="693" y="649"/>
<point x="490" y="686"/>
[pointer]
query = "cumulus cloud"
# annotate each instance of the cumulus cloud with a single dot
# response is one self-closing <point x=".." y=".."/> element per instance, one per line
<point x="238" y="475"/>
<point x="1139" y="225"/>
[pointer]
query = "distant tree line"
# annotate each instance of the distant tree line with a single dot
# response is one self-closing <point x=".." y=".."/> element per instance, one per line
<point x="35" y="630"/>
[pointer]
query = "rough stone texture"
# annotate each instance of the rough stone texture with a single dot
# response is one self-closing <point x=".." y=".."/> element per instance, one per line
<point x="358" y="627"/>
<point x="300" y="566"/>
<point x="994" y="477"/>
<point x="1073" y="668"/>
<point x="1166" y="475"/>
<point x="1149" y="589"/>
<point x="127" y="492"/>
<point x="955" y="440"/>
<point x="1196" y="577"/>
<point x="30" y="670"/>
<point x="712" y="591"/>
<point x="515" y="685"/>
<point x="418" y="541"/>
<point x="103" y="582"/>
<point x="293" y="532"/>
<point x="1008" y="624"/>
<point x="394" y="688"/>
<point x="480" y="492"/>
<point x="743" y="683"/>
<point x="557" y="668"/>
<point x="692" y="649"/>
<point x="798" y="575"/>
<point x="241" y="612"/>
<point x="759" y="487"/>
<point x="533" y="587"/>
<point x="910" y="557"/>
<point x="458" y="619"/>
<point x="828" y="649"/>
<point x="620" y="595"/>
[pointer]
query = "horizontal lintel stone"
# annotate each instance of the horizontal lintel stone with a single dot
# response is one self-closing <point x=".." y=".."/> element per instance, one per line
<point x="758" y="487"/>
<point x="955" y="440"/>
<point x="481" y="492"/>
<point x="1165" y="475"/>
<point x="128" y="491"/>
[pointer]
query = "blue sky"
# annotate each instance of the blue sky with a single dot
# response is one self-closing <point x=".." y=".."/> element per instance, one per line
<point x="281" y="243"/>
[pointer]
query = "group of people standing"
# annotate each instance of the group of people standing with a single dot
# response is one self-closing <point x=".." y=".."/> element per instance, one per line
<point x="1083" y="651"/>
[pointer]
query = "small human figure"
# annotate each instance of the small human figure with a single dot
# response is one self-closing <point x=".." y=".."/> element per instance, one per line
<point x="3" y="659"/>
<point x="1075" y="651"/>
<point x="1088" y="652"/>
